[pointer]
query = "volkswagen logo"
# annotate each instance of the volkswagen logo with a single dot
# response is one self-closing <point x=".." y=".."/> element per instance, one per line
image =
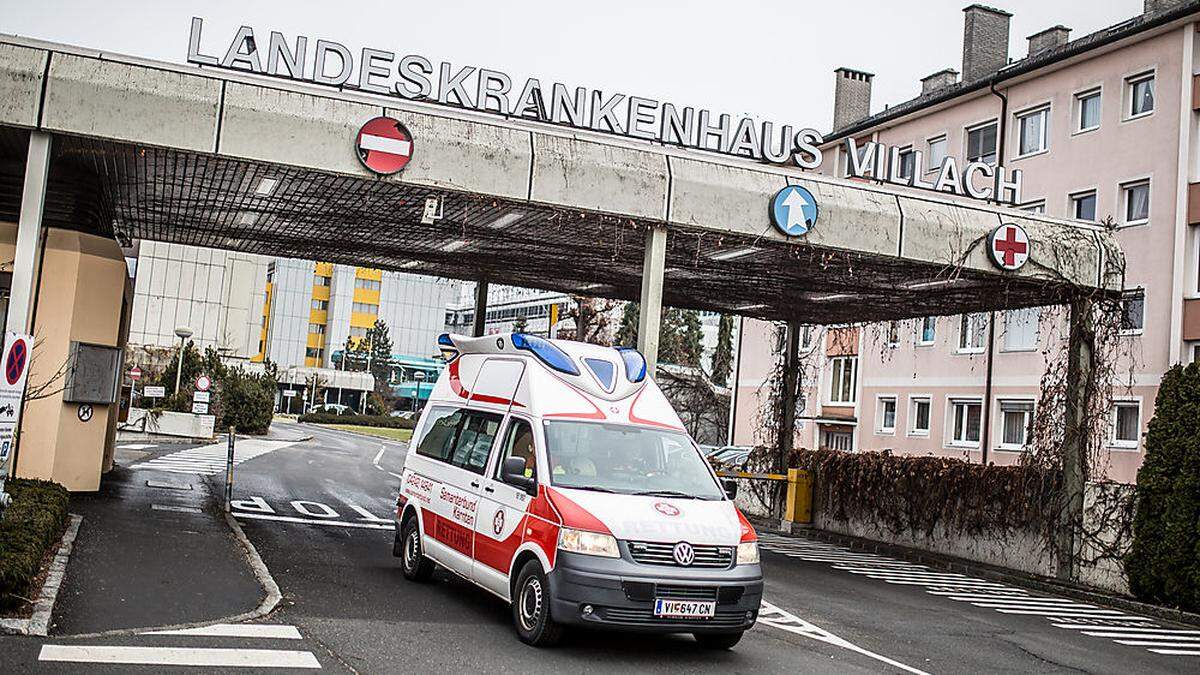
<point x="683" y="553"/>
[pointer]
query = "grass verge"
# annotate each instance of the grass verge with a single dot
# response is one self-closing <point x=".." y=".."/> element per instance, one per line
<point x="382" y="432"/>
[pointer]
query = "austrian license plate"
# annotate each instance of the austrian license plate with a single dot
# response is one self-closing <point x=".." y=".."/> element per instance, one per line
<point x="685" y="609"/>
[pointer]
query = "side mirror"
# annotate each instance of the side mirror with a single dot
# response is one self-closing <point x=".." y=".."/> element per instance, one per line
<point x="731" y="487"/>
<point x="513" y="473"/>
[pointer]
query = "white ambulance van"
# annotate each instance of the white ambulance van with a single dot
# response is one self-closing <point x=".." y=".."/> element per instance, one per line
<point x="556" y="475"/>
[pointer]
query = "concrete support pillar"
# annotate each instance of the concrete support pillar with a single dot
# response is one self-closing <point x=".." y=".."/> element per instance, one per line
<point x="653" y="266"/>
<point x="481" y="291"/>
<point x="26" y="260"/>
<point x="30" y="232"/>
<point x="1080" y="390"/>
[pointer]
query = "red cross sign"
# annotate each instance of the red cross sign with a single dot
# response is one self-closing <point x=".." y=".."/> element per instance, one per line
<point x="1009" y="246"/>
<point x="384" y="145"/>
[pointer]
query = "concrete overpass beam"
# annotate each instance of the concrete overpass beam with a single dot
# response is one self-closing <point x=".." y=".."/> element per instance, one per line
<point x="653" y="267"/>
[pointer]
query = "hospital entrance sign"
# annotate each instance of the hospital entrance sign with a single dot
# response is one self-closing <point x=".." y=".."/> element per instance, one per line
<point x="416" y="78"/>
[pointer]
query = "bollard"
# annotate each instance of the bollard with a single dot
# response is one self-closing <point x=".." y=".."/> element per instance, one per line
<point x="229" y="470"/>
<point x="799" y="497"/>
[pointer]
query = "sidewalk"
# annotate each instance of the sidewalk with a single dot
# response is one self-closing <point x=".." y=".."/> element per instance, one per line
<point x="153" y="551"/>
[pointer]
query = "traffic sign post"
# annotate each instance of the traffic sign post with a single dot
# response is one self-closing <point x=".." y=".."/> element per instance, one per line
<point x="229" y="469"/>
<point x="17" y="352"/>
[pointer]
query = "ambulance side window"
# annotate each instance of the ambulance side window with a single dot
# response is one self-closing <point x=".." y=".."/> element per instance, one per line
<point x="474" y="443"/>
<point x="441" y="431"/>
<point x="518" y="442"/>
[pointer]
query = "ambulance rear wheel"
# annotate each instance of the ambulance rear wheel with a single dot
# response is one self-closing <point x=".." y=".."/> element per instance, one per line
<point x="531" y="608"/>
<point x="718" y="640"/>
<point x="413" y="562"/>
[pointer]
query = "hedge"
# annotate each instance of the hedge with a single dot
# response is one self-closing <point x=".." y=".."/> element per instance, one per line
<point x="358" y="420"/>
<point x="1164" y="561"/>
<point x="912" y="493"/>
<point x="31" y="525"/>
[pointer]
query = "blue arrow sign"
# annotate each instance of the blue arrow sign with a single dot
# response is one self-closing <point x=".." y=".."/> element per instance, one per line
<point x="794" y="210"/>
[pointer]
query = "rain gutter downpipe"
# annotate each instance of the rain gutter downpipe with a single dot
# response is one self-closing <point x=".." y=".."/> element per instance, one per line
<point x="985" y="440"/>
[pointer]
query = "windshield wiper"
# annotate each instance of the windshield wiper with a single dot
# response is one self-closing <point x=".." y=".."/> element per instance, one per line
<point x="666" y="493"/>
<point x="592" y="488"/>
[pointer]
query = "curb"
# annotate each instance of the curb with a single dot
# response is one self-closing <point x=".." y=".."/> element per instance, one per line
<point x="949" y="563"/>
<point x="39" y="624"/>
<point x="360" y="434"/>
<point x="261" y="573"/>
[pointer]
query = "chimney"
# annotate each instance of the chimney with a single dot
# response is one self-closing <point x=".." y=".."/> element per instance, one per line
<point x="939" y="80"/>
<point x="1055" y="36"/>
<point x="985" y="41"/>
<point x="1155" y="6"/>
<point x="851" y="97"/>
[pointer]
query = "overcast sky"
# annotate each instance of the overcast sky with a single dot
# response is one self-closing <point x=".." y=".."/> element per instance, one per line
<point x="772" y="59"/>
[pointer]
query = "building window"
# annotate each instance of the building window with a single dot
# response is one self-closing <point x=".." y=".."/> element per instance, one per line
<point x="937" y="153"/>
<point x="966" y="416"/>
<point x="320" y="305"/>
<point x="1032" y="127"/>
<point x="319" y="280"/>
<point x="1035" y="207"/>
<point x="981" y="143"/>
<point x="1083" y="205"/>
<point x="317" y="328"/>
<point x="907" y="162"/>
<point x="368" y="284"/>
<point x="918" y="416"/>
<point x="315" y="353"/>
<point x="886" y="424"/>
<point x="1021" y="329"/>
<point x="806" y="338"/>
<point x="1196" y="352"/>
<point x="971" y="333"/>
<point x="1016" y="418"/>
<point x="1136" y="198"/>
<point x="1140" y="93"/>
<point x="842" y="441"/>
<point x="928" y="330"/>
<point x="1087" y="110"/>
<point x="365" y="308"/>
<point x="1133" y="312"/>
<point x="1126" y="424"/>
<point x="842" y="379"/>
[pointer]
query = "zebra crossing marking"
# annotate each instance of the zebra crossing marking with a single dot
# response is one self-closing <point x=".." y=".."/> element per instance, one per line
<point x="1088" y="619"/>
<point x="195" y="657"/>
<point x="209" y="460"/>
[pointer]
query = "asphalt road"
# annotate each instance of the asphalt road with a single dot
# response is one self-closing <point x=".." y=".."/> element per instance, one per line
<point x="319" y="514"/>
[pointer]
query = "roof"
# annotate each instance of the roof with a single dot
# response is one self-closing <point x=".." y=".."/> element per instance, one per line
<point x="1106" y="36"/>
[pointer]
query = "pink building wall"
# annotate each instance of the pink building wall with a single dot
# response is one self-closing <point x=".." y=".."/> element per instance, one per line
<point x="1119" y="151"/>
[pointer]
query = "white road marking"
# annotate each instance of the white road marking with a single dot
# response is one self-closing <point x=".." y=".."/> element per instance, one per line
<point x="313" y="521"/>
<point x="171" y="507"/>
<point x="379" y="456"/>
<point x="211" y="459"/>
<point x="168" y="486"/>
<point x="209" y="657"/>
<point x="136" y="446"/>
<point x="775" y="617"/>
<point x="1088" y="619"/>
<point x="242" y="630"/>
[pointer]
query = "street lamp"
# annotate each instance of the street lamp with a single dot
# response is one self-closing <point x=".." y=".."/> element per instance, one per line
<point x="183" y="333"/>
<point x="418" y="376"/>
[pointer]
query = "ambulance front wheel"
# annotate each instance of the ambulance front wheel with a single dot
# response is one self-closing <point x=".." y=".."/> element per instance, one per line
<point x="531" y="608"/>
<point x="412" y="559"/>
<point x="718" y="640"/>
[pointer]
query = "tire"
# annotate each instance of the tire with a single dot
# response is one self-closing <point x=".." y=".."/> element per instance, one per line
<point x="718" y="641"/>
<point x="415" y="565"/>
<point x="531" y="608"/>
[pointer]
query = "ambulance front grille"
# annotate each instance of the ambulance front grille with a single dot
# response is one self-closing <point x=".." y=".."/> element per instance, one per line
<point x="654" y="553"/>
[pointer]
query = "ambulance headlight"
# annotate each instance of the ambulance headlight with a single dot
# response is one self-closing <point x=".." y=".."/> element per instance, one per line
<point x="588" y="543"/>
<point x="747" y="553"/>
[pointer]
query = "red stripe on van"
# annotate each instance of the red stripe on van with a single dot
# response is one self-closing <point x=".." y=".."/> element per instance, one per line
<point x="640" y="420"/>
<point x="457" y="387"/>
<point x="496" y="553"/>
<point x="574" y="515"/>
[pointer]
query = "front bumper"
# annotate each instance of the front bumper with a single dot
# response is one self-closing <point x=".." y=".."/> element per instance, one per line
<point x="621" y="594"/>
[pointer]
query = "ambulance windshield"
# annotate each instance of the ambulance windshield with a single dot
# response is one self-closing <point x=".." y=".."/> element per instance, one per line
<point x="627" y="460"/>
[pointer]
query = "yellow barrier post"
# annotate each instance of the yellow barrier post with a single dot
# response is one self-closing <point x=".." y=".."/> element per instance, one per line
<point x="799" y="497"/>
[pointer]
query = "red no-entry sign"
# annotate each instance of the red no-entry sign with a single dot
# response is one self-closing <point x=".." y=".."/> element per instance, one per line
<point x="384" y="145"/>
<point x="135" y="373"/>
